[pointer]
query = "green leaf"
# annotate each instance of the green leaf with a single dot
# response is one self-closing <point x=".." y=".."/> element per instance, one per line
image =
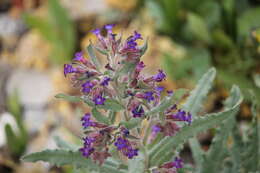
<point x="126" y="69"/>
<point x="112" y="117"/>
<point x="93" y="56"/>
<point x="217" y="152"/>
<point x="144" y="47"/>
<point x="14" y="107"/>
<point x="167" y="102"/>
<point x="194" y="101"/>
<point x="251" y="161"/>
<point x="64" y="157"/>
<point x="64" y="145"/>
<point x="132" y="123"/>
<point x="68" y="97"/>
<point x="111" y="104"/>
<point x="137" y="164"/>
<point x="99" y="117"/>
<point x="12" y="140"/>
<point x="197" y="126"/>
<point x="198" y="28"/>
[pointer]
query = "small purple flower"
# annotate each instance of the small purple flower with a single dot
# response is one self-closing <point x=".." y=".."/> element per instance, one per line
<point x="131" y="44"/>
<point x="86" y="122"/>
<point x="121" y="143"/>
<point x="138" y="111"/>
<point x="99" y="100"/>
<point x="86" y="151"/>
<point x="105" y="81"/>
<point x="156" y="129"/>
<point x="109" y="27"/>
<point x="87" y="86"/>
<point x="182" y="116"/>
<point x="125" y="132"/>
<point x="78" y="56"/>
<point x="96" y="32"/>
<point x="88" y="141"/>
<point x="131" y="153"/>
<point x="69" y="69"/>
<point x="159" y="89"/>
<point x="125" y="147"/>
<point x="170" y="92"/>
<point x="149" y="96"/>
<point x="178" y="163"/>
<point x="137" y="36"/>
<point x="160" y="76"/>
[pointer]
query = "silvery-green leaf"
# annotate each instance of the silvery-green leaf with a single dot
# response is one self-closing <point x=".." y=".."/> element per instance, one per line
<point x="99" y="117"/>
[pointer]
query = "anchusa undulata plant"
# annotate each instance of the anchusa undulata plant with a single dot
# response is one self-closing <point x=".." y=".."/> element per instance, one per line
<point x="121" y="82"/>
<point x="134" y="123"/>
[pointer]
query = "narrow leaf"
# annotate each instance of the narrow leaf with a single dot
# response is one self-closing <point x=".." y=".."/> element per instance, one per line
<point x="217" y="150"/>
<point x="68" y="97"/>
<point x="111" y="104"/>
<point x="193" y="105"/>
<point x="93" y="56"/>
<point x="197" y="126"/>
<point x="64" y="157"/>
<point x="194" y="101"/>
<point x="99" y="117"/>
<point x="137" y="164"/>
<point x="64" y="145"/>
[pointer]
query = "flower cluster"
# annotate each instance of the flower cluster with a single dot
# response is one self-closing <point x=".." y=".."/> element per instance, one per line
<point x="120" y="80"/>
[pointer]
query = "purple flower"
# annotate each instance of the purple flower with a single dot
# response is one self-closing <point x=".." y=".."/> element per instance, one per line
<point x="69" y="69"/>
<point x="96" y="32"/>
<point x="149" y="96"/>
<point x="105" y="81"/>
<point x="138" y="111"/>
<point x="131" y="153"/>
<point x="88" y="141"/>
<point x="137" y="35"/>
<point x="125" y="132"/>
<point x="131" y="42"/>
<point x="87" y="86"/>
<point x="178" y="163"/>
<point x="170" y="92"/>
<point x="109" y="27"/>
<point x="99" y="100"/>
<point x="159" y="89"/>
<point x="182" y="116"/>
<point x="78" y="56"/>
<point x="86" y="122"/>
<point x="160" y="76"/>
<point x="121" y="143"/>
<point x="156" y="129"/>
<point x="125" y="147"/>
<point x="86" y="151"/>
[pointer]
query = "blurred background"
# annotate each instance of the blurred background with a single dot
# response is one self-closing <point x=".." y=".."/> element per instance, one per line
<point x="186" y="37"/>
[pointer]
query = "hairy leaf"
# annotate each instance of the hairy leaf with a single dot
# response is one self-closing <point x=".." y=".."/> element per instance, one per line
<point x="111" y="104"/>
<point x="198" y="125"/>
<point x="99" y="117"/>
<point x="93" y="56"/>
<point x="68" y="97"/>
<point x="64" y="157"/>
